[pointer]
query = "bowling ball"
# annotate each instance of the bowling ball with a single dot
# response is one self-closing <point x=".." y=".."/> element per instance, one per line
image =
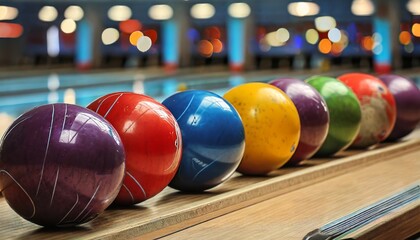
<point x="378" y="108"/>
<point x="407" y="99"/>
<point x="345" y="114"/>
<point x="313" y="114"/>
<point x="151" y="139"/>
<point x="61" y="165"/>
<point x="213" y="139"/>
<point x="271" y="123"/>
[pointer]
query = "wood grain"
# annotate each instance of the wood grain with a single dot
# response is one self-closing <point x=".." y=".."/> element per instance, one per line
<point x="293" y="215"/>
<point x="172" y="211"/>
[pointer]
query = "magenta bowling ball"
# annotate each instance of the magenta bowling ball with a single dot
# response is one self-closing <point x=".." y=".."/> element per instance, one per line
<point x="313" y="114"/>
<point x="60" y="165"/>
<point x="407" y="99"/>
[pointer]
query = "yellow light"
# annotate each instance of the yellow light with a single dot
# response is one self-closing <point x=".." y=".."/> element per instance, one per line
<point x="119" y="13"/>
<point x="68" y="26"/>
<point x="8" y="13"/>
<point x="74" y="12"/>
<point x="312" y="36"/>
<point x="282" y="34"/>
<point x="415" y="29"/>
<point x="362" y="7"/>
<point x="301" y="9"/>
<point x="325" y="23"/>
<point x="134" y="37"/>
<point x="272" y="40"/>
<point x="239" y="10"/>
<point x="110" y="36"/>
<point x="161" y="12"/>
<point x="47" y="14"/>
<point x="202" y="11"/>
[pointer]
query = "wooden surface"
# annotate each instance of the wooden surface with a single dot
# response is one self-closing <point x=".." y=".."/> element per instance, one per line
<point x="293" y="215"/>
<point x="171" y="211"/>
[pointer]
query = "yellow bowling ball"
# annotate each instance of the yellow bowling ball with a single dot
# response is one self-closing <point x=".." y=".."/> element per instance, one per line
<point x="272" y="126"/>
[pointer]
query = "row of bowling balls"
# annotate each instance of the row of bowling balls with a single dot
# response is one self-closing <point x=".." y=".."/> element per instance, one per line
<point x="64" y="164"/>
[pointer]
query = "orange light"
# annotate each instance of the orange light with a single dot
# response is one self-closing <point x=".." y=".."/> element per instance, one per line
<point x="152" y="34"/>
<point x="325" y="46"/>
<point x="129" y="26"/>
<point x="415" y="29"/>
<point x="405" y="37"/>
<point x="337" y="48"/>
<point x="367" y="43"/>
<point x="10" y="30"/>
<point x="205" y="48"/>
<point x="217" y="45"/>
<point x="134" y="37"/>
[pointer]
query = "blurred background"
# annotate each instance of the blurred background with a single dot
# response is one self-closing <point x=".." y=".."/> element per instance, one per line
<point x="75" y="51"/>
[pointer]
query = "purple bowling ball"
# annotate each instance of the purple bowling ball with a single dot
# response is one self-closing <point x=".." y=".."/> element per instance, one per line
<point x="313" y="114"/>
<point x="60" y="165"/>
<point x="407" y="99"/>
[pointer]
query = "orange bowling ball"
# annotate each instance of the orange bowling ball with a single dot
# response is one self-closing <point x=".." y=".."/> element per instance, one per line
<point x="272" y="126"/>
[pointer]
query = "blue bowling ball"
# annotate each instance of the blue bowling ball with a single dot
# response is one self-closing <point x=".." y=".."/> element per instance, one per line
<point x="213" y="139"/>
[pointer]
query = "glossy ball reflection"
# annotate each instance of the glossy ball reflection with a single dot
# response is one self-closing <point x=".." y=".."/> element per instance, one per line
<point x="213" y="139"/>
<point x="313" y="114"/>
<point x="378" y="108"/>
<point x="271" y="123"/>
<point x="407" y="99"/>
<point x="345" y="114"/>
<point x="60" y="165"/>
<point x="152" y="142"/>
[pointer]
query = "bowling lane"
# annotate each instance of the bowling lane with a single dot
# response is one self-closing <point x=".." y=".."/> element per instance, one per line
<point x="293" y="215"/>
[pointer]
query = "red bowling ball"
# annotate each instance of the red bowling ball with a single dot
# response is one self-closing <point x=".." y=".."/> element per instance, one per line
<point x="313" y="114"/>
<point x="151" y="139"/>
<point x="61" y="165"/>
<point x="378" y="108"/>
<point x="407" y="98"/>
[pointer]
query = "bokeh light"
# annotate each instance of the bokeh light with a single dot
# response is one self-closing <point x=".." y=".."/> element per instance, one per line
<point x="325" y="23"/>
<point x="110" y="36"/>
<point x="134" y="37"/>
<point x="70" y="96"/>
<point x="368" y="43"/>
<point x="362" y="7"/>
<point x="160" y="12"/>
<point x="239" y="10"/>
<point x="301" y="9"/>
<point x="130" y="25"/>
<point x="217" y="45"/>
<point x="272" y="40"/>
<point x="119" y="13"/>
<point x="334" y="35"/>
<point x="144" y="43"/>
<point x="325" y="46"/>
<point x="413" y="6"/>
<point x="405" y="37"/>
<point x="337" y="48"/>
<point x="283" y="35"/>
<point x="202" y="11"/>
<point x="8" y="13"/>
<point x="68" y="26"/>
<point x="152" y="34"/>
<point x="10" y="30"/>
<point x="312" y="36"/>
<point x="205" y="48"/>
<point x="415" y="29"/>
<point x="48" y="14"/>
<point x="74" y="12"/>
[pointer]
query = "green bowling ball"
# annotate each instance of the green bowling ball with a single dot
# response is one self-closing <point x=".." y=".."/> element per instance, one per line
<point x="345" y="114"/>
